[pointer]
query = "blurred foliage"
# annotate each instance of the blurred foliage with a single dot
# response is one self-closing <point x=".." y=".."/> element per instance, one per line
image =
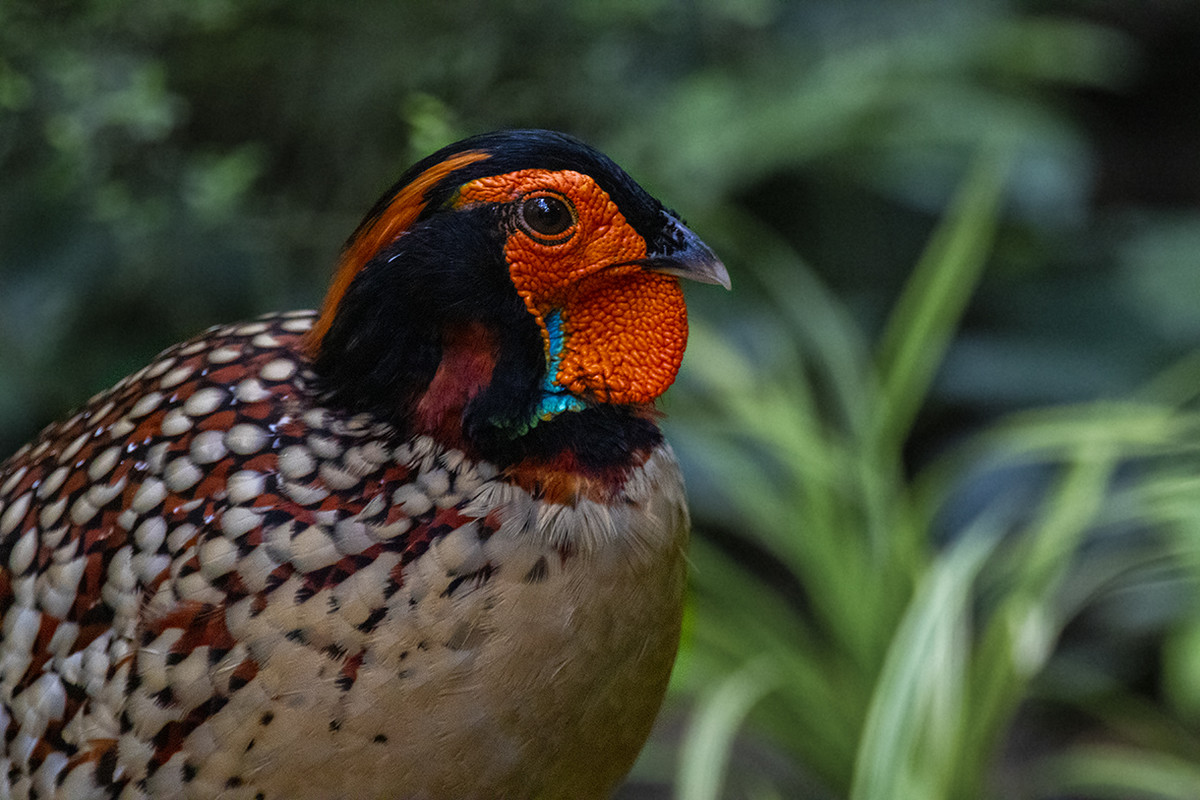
<point x="938" y="215"/>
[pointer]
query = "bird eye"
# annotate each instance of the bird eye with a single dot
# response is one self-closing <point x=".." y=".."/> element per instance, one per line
<point x="546" y="217"/>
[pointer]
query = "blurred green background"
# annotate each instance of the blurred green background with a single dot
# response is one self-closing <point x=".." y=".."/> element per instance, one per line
<point x="941" y="439"/>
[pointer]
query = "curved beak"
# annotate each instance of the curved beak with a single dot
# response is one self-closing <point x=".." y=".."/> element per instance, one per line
<point x="685" y="256"/>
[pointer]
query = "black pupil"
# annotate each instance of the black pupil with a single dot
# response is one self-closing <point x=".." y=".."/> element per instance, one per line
<point x="548" y="216"/>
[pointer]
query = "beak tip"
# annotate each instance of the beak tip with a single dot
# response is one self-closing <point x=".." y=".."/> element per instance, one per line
<point x="722" y="276"/>
<point x="704" y="267"/>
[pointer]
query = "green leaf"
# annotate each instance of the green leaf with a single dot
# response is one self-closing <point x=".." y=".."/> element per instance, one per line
<point x="718" y="717"/>
<point x="929" y="309"/>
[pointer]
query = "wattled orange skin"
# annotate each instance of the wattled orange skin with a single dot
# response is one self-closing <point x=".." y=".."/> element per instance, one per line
<point x="625" y="329"/>
<point x="626" y="333"/>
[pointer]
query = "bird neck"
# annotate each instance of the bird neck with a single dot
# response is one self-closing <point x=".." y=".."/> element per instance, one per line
<point x="473" y="405"/>
<point x="472" y="386"/>
<point x="432" y="337"/>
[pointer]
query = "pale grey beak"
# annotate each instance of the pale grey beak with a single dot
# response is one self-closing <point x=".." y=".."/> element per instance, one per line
<point x="687" y="257"/>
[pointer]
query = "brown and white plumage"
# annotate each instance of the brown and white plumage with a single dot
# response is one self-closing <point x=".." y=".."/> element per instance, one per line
<point x="384" y="552"/>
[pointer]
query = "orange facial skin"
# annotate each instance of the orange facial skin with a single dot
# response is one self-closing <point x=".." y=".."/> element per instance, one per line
<point x="624" y="329"/>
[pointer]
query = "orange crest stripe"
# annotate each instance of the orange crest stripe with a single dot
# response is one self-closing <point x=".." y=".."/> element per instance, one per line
<point x="399" y="215"/>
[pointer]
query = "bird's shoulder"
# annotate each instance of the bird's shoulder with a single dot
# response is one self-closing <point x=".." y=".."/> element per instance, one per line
<point x="218" y="449"/>
<point x="209" y="515"/>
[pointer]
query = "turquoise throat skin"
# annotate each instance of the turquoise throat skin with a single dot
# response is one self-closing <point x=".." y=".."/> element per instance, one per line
<point x="554" y="399"/>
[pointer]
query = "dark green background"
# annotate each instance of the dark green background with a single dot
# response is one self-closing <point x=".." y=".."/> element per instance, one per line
<point x="169" y="164"/>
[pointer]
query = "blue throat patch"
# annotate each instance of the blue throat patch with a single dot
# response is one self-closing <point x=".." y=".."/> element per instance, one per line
<point x="554" y="399"/>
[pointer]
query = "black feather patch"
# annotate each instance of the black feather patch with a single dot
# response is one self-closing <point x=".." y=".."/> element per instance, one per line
<point x="385" y="343"/>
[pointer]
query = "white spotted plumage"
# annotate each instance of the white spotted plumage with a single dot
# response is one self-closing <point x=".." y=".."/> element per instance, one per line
<point x="213" y="586"/>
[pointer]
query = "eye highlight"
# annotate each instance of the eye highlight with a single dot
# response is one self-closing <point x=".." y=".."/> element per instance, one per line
<point x="548" y="218"/>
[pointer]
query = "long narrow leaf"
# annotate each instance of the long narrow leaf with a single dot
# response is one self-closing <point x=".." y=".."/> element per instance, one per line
<point x="706" y="746"/>
<point x="931" y="305"/>
<point x="915" y="711"/>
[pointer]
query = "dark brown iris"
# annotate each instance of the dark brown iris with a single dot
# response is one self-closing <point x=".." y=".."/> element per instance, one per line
<point x="545" y="217"/>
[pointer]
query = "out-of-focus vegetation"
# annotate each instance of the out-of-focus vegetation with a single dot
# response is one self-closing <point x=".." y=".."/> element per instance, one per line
<point x="941" y="439"/>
